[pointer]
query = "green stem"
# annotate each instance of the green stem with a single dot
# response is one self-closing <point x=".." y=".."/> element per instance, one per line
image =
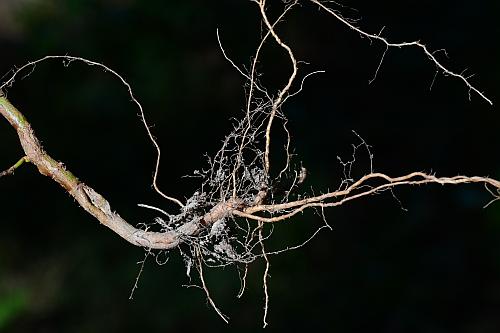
<point x="91" y="201"/>
<point x="20" y="162"/>
<point x="11" y="170"/>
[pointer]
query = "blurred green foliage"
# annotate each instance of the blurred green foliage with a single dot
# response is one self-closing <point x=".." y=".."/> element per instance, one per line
<point x="12" y="305"/>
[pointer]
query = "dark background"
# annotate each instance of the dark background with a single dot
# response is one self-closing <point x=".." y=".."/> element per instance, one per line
<point x="432" y="268"/>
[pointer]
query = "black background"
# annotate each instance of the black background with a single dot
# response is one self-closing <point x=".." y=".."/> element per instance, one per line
<point x="432" y="268"/>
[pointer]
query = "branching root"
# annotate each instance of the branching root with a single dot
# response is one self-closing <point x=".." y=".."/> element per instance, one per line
<point x="231" y="216"/>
